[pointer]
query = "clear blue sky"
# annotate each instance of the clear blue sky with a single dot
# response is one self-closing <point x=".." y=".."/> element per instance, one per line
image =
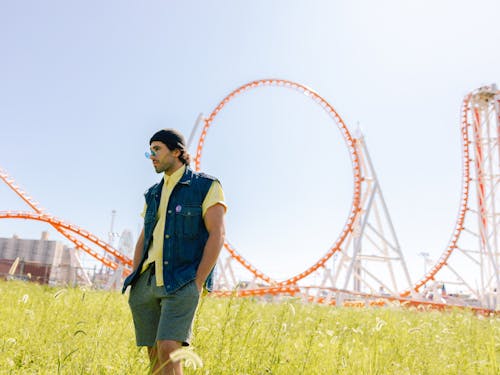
<point x="84" y="84"/>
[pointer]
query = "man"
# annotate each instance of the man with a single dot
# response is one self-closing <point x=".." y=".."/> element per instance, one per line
<point x="176" y="251"/>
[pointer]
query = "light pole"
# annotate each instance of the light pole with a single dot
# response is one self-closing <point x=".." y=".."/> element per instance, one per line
<point x="424" y="255"/>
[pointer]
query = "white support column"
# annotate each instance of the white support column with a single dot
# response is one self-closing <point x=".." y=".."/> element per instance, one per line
<point x="224" y="274"/>
<point x="77" y="264"/>
<point x="371" y="259"/>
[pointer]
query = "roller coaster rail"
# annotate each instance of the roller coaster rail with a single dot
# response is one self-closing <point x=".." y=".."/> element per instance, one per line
<point x="368" y="225"/>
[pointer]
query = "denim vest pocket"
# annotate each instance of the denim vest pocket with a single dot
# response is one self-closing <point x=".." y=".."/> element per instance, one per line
<point x="188" y="221"/>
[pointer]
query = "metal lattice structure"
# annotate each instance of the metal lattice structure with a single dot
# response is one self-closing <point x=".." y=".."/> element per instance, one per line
<point x="471" y="260"/>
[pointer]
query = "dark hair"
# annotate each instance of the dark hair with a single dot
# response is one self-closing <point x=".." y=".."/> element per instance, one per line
<point x="173" y="139"/>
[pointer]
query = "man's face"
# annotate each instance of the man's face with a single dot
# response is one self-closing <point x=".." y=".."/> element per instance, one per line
<point x="163" y="159"/>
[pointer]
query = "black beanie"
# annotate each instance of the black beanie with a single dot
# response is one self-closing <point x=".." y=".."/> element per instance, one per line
<point x="171" y="138"/>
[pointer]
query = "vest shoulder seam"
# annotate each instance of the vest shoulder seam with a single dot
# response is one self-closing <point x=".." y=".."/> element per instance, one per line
<point x="151" y="188"/>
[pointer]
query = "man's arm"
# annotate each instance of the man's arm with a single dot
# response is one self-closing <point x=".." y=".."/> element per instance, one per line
<point x="214" y="222"/>
<point x="138" y="250"/>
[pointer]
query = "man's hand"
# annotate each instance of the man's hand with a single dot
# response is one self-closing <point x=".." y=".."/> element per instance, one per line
<point x="138" y="250"/>
<point x="214" y="222"/>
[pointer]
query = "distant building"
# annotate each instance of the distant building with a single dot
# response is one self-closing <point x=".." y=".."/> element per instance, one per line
<point x="43" y="261"/>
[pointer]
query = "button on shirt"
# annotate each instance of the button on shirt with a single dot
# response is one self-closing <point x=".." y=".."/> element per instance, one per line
<point x="214" y="196"/>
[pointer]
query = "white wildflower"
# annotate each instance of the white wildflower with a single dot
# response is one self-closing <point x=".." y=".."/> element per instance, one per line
<point x="24" y="298"/>
<point x="292" y="309"/>
<point x="357" y="330"/>
<point x="190" y="358"/>
<point x="380" y="323"/>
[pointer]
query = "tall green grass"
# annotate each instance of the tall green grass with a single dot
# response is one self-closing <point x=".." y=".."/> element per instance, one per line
<point x="74" y="331"/>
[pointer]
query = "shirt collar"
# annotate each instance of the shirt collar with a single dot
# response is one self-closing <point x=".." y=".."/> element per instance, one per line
<point x="174" y="177"/>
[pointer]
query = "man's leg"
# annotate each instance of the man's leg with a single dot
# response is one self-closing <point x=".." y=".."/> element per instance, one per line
<point x="176" y="320"/>
<point x="146" y="310"/>
<point x="153" y="359"/>
<point x="164" y="348"/>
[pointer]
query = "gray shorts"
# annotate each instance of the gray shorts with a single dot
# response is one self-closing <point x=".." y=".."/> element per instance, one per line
<point x="161" y="316"/>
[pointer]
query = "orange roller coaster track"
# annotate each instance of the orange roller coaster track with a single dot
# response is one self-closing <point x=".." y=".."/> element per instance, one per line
<point x="476" y="232"/>
<point x="468" y="112"/>
<point x="67" y="230"/>
<point x="466" y="180"/>
<point x="350" y="142"/>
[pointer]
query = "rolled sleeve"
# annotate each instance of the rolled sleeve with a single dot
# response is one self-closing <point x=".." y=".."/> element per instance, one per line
<point x="214" y="196"/>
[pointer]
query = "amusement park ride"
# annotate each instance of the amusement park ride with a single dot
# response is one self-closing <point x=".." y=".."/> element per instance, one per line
<point x="369" y="266"/>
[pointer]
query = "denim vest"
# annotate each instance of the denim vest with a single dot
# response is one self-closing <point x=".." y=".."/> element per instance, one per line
<point x="185" y="233"/>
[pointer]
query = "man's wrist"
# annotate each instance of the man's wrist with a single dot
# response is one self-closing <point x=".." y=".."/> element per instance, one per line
<point x="199" y="283"/>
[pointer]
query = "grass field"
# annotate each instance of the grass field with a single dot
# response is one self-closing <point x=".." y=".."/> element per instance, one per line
<point x="74" y="331"/>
